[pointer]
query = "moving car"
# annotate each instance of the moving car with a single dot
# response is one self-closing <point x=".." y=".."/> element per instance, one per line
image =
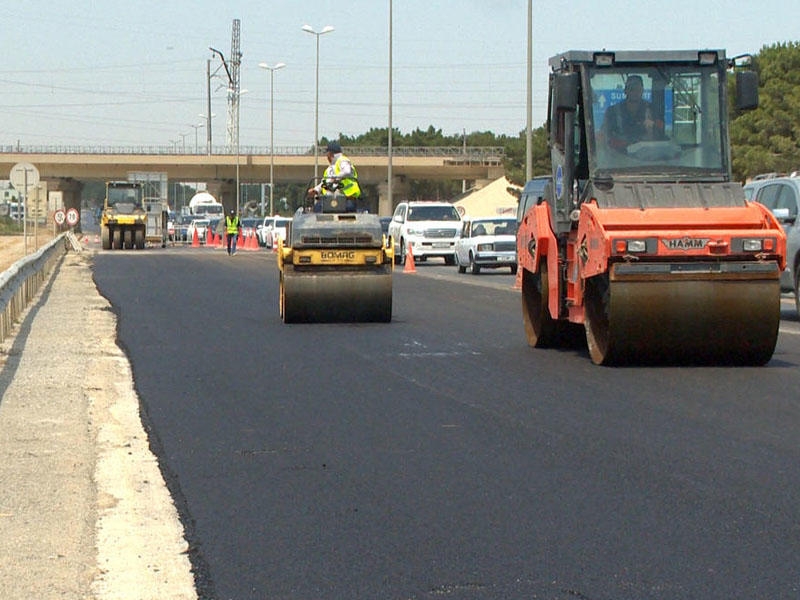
<point x="487" y="243"/>
<point x="431" y="228"/>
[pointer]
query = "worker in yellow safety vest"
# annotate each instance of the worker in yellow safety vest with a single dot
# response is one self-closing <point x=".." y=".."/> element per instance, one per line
<point x="340" y="175"/>
<point x="231" y="231"/>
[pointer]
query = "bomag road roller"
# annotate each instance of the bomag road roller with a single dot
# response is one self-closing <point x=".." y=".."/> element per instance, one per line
<point x="641" y="236"/>
<point x="335" y="265"/>
<point x="124" y="219"/>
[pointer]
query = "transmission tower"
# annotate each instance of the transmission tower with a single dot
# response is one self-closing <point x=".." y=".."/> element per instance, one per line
<point x="234" y="90"/>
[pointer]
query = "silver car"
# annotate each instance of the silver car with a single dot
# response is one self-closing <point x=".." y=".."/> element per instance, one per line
<point x="781" y="195"/>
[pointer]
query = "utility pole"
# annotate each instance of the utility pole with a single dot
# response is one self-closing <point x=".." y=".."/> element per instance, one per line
<point x="529" y="101"/>
<point x="208" y="110"/>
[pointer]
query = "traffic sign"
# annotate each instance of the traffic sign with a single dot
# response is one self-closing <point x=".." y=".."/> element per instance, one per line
<point x="22" y="174"/>
<point x="59" y="217"/>
<point x="73" y="217"/>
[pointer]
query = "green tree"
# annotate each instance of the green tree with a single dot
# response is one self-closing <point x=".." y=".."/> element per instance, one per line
<point x="767" y="139"/>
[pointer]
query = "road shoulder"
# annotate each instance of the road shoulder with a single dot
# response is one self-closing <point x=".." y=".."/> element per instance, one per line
<point x="84" y="511"/>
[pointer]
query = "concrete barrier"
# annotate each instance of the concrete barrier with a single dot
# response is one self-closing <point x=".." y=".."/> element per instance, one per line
<point x="22" y="280"/>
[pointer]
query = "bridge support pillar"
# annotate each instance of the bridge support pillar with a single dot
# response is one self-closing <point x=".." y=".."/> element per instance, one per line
<point x="70" y="191"/>
<point x="224" y="190"/>
<point x="400" y="190"/>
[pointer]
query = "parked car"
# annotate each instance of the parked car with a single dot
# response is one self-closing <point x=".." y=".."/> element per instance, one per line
<point x="431" y="227"/>
<point x="261" y="230"/>
<point x="531" y="195"/>
<point x="200" y="226"/>
<point x="249" y="227"/>
<point x="171" y="227"/>
<point x="781" y="195"/>
<point x="487" y="243"/>
<point x="277" y="231"/>
<point x="181" y="227"/>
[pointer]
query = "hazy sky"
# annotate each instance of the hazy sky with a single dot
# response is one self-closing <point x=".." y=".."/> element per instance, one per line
<point x="134" y="73"/>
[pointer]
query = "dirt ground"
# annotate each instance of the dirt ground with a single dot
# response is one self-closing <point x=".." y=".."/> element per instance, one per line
<point x="12" y="247"/>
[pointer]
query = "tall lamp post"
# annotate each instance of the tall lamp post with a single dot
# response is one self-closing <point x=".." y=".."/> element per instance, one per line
<point x="271" y="126"/>
<point x="309" y="29"/>
<point x="196" y="127"/>
<point x="238" y="94"/>
<point x="207" y="121"/>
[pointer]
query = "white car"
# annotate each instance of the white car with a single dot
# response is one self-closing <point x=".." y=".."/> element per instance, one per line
<point x="200" y="226"/>
<point x="277" y="231"/>
<point x="430" y="228"/>
<point x="261" y="230"/>
<point x="487" y="243"/>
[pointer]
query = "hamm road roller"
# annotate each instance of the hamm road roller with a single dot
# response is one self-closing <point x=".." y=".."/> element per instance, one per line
<point x="641" y="236"/>
<point x="335" y="266"/>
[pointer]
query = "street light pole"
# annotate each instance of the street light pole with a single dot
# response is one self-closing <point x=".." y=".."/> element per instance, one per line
<point x="208" y="112"/>
<point x="309" y="29"/>
<point x="271" y="127"/>
<point x="529" y="99"/>
<point x="196" y="127"/>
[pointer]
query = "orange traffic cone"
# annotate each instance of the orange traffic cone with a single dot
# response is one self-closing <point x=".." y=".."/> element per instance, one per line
<point x="209" y="237"/>
<point x="410" y="267"/>
<point x="252" y="244"/>
<point x="218" y="241"/>
<point x="195" y="239"/>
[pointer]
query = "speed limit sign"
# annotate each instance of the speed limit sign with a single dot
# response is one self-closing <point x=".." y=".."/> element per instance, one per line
<point x="72" y="217"/>
<point x="59" y="217"/>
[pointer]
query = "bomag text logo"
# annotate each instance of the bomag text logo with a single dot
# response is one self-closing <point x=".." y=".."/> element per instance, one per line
<point x="338" y="255"/>
<point x="685" y="243"/>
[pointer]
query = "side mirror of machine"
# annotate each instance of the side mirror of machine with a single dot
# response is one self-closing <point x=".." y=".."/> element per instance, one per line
<point x="566" y="91"/>
<point x="746" y="90"/>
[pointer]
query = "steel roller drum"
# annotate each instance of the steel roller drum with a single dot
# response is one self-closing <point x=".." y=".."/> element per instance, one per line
<point x="727" y="317"/>
<point x="336" y="295"/>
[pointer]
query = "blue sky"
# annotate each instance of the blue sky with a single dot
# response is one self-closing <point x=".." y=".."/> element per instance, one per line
<point x="134" y="73"/>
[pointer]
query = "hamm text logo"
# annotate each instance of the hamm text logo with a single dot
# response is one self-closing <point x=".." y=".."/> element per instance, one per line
<point x="685" y="243"/>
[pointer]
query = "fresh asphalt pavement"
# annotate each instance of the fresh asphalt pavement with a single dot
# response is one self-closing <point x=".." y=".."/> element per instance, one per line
<point x="433" y="456"/>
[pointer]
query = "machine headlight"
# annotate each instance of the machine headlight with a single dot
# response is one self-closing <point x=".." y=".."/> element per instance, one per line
<point x="753" y="245"/>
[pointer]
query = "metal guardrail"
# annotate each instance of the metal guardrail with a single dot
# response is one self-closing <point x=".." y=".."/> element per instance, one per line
<point x="22" y="280"/>
<point x="470" y="153"/>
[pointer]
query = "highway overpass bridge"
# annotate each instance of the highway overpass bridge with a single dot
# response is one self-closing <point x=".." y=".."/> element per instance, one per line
<point x="65" y="168"/>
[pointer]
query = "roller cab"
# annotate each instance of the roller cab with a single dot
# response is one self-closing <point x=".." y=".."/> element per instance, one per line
<point x="645" y="242"/>
<point x="335" y="267"/>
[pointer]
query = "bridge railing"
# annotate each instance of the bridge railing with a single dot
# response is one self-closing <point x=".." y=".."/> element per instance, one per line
<point x="468" y="154"/>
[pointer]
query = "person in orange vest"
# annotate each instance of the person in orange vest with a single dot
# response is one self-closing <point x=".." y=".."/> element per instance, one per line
<point x="231" y="231"/>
